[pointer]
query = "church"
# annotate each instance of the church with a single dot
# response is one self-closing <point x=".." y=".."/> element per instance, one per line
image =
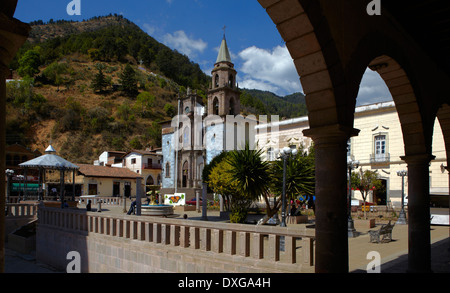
<point x="198" y="133"/>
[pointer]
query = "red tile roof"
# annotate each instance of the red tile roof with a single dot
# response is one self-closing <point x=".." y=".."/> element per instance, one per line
<point x="107" y="172"/>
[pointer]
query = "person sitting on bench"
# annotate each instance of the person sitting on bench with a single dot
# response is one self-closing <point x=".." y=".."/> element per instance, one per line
<point x="132" y="208"/>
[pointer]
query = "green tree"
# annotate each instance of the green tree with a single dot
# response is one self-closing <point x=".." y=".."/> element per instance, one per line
<point x="300" y="177"/>
<point x="21" y="95"/>
<point x="97" y="119"/>
<point x="124" y="112"/>
<point x="94" y="54"/>
<point x="155" y="134"/>
<point x="365" y="182"/>
<point x="220" y="181"/>
<point x="170" y="110"/>
<point x="29" y="63"/>
<point x="144" y="104"/>
<point x="251" y="176"/>
<point x="100" y="83"/>
<point x="129" y="81"/>
<point x="136" y="144"/>
<point x="57" y="74"/>
<point x="72" y="117"/>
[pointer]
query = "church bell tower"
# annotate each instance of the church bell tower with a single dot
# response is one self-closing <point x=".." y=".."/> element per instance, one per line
<point x="223" y="95"/>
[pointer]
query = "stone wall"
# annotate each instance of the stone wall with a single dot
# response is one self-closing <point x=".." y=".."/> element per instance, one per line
<point x="156" y="245"/>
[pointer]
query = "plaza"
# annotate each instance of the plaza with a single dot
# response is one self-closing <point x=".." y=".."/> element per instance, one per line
<point x="332" y="43"/>
<point x="393" y="254"/>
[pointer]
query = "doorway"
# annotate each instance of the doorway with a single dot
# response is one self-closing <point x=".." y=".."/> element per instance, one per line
<point x="185" y="173"/>
<point x="127" y="190"/>
<point x="380" y="194"/>
<point x="116" y="189"/>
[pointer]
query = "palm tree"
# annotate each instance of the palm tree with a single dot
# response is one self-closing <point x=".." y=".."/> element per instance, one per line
<point x="250" y="172"/>
<point x="300" y="177"/>
<point x="251" y="176"/>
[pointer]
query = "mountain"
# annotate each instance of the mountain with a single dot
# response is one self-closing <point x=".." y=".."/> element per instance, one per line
<point x="104" y="84"/>
<point x="73" y="93"/>
<point x="110" y="38"/>
<point x="268" y="103"/>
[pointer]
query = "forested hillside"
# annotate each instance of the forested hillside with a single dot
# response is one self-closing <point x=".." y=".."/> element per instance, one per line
<point x="96" y="85"/>
<point x="267" y="103"/>
<point x="104" y="84"/>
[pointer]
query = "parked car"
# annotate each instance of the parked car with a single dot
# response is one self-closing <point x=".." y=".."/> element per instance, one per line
<point x="193" y="201"/>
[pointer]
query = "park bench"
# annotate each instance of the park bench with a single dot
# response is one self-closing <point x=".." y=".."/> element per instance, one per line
<point x="385" y="232"/>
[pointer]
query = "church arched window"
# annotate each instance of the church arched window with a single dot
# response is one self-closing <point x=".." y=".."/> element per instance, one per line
<point x="167" y="170"/>
<point x="216" y="106"/>
<point x="231" y="110"/>
<point x="186" y="135"/>
<point x="216" y="81"/>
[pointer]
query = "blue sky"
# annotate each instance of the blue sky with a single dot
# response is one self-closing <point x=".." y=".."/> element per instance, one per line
<point x="195" y="28"/>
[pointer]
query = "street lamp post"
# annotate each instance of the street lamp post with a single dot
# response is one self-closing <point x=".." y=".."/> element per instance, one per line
<point x="351" y="227"/>
<point x="402" y="217"/>
<point x="9" y="173"/>
<point x="285" y="153"/>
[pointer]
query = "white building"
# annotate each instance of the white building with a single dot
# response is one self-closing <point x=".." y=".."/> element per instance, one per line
<point x="379" y="146"/>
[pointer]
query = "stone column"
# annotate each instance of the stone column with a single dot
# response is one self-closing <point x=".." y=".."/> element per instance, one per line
<point x="419" y="239"/>
<point x="2" y="166"/>
<point x="13" y="34"/>
<point x="139" y="193"/>
<point x="330" y="144"/>
<point x="448" y="171"/>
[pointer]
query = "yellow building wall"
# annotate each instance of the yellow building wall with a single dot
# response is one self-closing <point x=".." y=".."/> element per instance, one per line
<point x="371" y="120"/>
<point x="105" y="185"/>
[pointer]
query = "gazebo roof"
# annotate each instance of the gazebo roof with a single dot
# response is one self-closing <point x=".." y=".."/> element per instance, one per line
<point x="49" y="161"/>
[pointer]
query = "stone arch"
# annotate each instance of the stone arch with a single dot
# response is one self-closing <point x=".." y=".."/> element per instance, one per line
<point x="231" y="110"/>
<point x="150" y="180"/>
<point x="315" y="57"/>
<point x="386" y="57"/>
<point x="331" y="63"/>
<point x="216" y="80"/>
<point x="443" y="116"/>
<point x="215" y="106"/>
<point x="231" y="80"/>
<point x="406" y="103"/>
<point x="185" y="174"/>
<point x="167" y="170"/>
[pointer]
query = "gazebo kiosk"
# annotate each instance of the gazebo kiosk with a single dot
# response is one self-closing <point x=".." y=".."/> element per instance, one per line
<point x="51" y="161"/>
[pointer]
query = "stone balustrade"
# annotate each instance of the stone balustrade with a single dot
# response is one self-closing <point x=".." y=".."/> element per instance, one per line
<point x="248" y="241"/>
<point x="109" y="200"/>
<point x="21" y="210"/>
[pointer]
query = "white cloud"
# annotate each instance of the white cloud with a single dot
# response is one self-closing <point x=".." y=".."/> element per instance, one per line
<point x="257" y="84"/>
<point x="182" y="43"/>
<point x="372" y="89"/>
<point x="269" y="70"/>
<point x="149" y="29"/>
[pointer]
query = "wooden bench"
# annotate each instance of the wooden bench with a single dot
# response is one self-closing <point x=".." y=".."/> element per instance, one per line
<point x="385" y="233"/>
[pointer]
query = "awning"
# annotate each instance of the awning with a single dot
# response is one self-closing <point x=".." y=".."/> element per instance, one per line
<point x="49" y="161"/>
<point x="31" y="187"/>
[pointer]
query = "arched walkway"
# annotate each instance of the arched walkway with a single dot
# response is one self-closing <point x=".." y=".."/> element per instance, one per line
<point x="13" y="34"/>
<point x="332" y="43"/>
<point x="325" y="38"/>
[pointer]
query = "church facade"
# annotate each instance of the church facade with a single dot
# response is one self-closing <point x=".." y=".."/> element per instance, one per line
<point x="198" y="132"/>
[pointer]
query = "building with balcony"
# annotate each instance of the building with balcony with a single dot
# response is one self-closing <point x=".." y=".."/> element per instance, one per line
<point x="147" y="163"/>
<point x="379" y="146"/>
